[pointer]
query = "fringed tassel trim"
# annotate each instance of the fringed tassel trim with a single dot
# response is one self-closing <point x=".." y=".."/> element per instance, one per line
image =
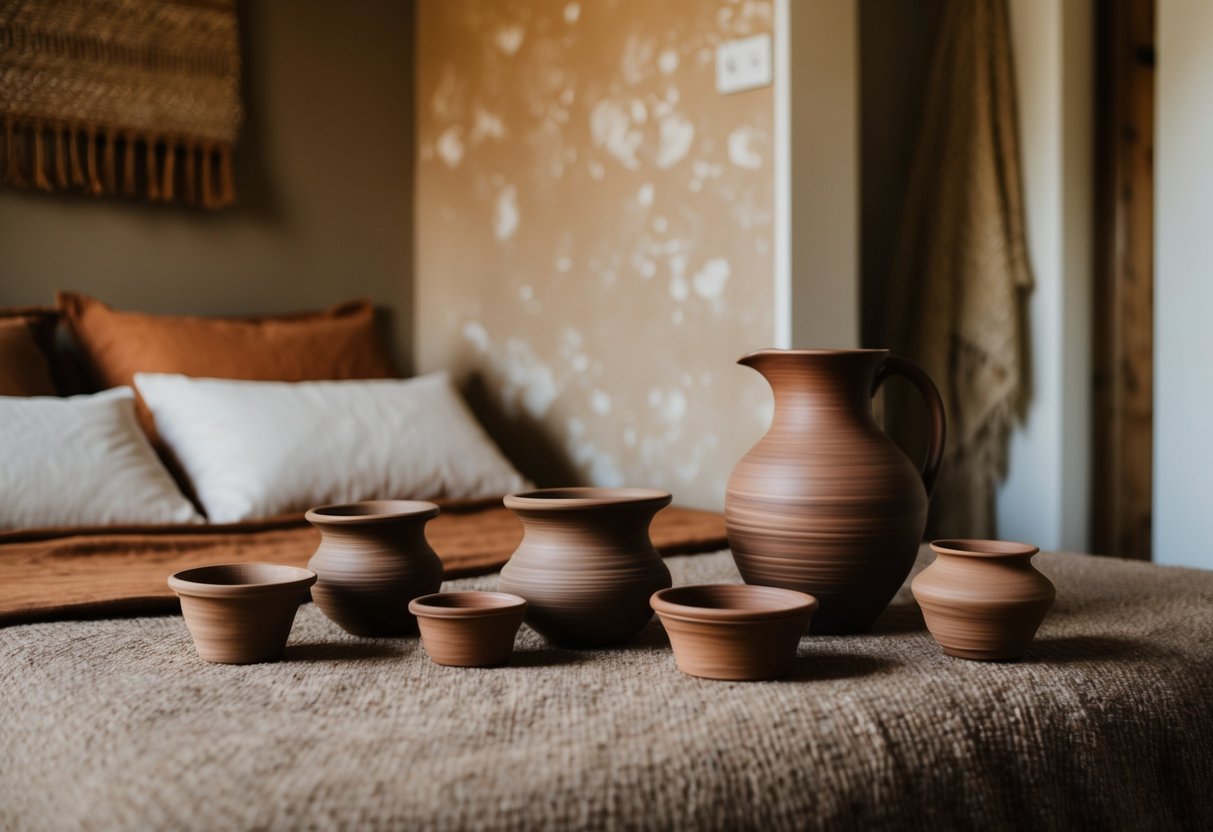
<point x="168" y="171"/>
<point x="41" y="181"/>
<point x="94" y="181"/>
<point x="73" y="145"/>
<point x="109" y="170"/>
<point x="128" y="166"/>
<point x="191" y="173"/>
<point x="153" y="180"/>
<point x="63" y="157"/>
<point x="14" y="165"/>
<point x="61" y="180"/>
<point x="227" y="186"/>
<point x="208" y="178"/>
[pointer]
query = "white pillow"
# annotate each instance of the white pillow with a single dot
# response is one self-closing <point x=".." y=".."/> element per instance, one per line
<point x="259" y="448"/>
<point x="82" y="461"/>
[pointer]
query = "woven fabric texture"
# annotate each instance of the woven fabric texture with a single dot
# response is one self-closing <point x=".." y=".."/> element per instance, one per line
<point x="1106" y="724"/>
<point x="960" y="278"/>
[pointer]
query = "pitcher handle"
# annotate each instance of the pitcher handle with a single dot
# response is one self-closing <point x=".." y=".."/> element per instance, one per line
<point x="897" y="366"/>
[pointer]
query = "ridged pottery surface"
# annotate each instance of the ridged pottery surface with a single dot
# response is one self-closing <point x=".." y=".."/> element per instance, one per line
<point x="586" y="565"/>
<point x="826" y="503"/>
<point x="983" y="599"/>
<point x="734" y="632"/>
<point x="372" y="560"/>
<point x="241" y="613"/>
<point x="469" y="629"/>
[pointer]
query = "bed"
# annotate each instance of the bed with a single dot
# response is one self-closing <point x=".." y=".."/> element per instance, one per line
<point x="111" y="721"/>
<point x="1107" y="723"/>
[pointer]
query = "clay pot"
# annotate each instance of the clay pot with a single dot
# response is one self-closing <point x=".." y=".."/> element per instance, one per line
<point x="825" y="503"/>
<point x="241" y="613"/>
<point x="469" y="629"/>
<point x="983" y="599"/>
<point x="586" y="565"/>
<point x="372" y="560"/>
<point x="734" y="631"/>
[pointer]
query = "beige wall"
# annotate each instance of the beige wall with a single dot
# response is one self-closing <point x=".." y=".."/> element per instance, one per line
<point x="594" y="234"/>
<point x="324" y="171"/>
<point x="817" y="154"/>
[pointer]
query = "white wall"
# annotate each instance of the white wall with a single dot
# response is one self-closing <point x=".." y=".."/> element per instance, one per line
<point x="1183" y="392"/>
<point x="1046" y="495"/>
<point x="817" y="300"/>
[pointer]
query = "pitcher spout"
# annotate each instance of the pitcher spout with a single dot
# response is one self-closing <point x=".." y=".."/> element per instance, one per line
<point x="752" y="359"/>
<point x="804" y="381"/>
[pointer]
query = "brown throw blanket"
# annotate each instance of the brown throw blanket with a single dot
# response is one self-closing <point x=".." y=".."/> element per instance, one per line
<point x="60" y="574"/>
<point x="1106" y="724"/>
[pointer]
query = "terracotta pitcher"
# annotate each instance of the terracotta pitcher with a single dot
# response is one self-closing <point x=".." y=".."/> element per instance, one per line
<point x="826" y="503"/>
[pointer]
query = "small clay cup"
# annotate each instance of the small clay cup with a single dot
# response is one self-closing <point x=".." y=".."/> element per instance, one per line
<point x="241" y="613"/>
<point x="983" y="599"/>
<point x="469" y="629"/>
<point x="372" y="560"/>
<point x="735" y="632"/>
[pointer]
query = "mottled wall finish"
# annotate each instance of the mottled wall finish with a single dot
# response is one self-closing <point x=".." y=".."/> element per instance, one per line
<point x="594" y="234"/>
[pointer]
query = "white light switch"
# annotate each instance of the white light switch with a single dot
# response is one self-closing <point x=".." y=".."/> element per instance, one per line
<point x="743" y="64"/>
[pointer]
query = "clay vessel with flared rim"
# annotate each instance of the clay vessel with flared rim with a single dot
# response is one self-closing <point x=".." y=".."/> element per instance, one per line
<point x="372" y="560"/>
<point x="469" y="629"/>
<point x="586" y="565"/>
<point x="983" y="599"/>
<point x="241" y="613"/>
<point x="825" y="503"/>
<point x="734" y="632"/>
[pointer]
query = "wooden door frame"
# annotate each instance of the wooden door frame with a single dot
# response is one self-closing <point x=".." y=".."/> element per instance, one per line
<point x="1123" y="314"/>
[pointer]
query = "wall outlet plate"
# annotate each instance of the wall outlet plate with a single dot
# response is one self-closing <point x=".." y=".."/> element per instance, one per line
<point x="744" y="64"/>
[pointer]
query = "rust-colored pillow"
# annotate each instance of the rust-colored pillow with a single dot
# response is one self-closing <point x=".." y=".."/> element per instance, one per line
<point x="338" y="343"/>
<point x="26" y="337"/>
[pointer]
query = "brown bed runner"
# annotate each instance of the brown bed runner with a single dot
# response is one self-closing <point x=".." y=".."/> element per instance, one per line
<point x="49" y="575"/>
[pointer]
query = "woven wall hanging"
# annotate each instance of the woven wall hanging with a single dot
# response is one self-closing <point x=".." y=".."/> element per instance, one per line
<point x="133" y="97"/>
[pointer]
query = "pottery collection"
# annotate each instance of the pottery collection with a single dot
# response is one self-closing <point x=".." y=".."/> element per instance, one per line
<point x="734" y="632"/>
<point x="586" y="565"/>
<point x="372" y="561"/>
<point x="826" y="503"/>
<point x="469" y="629"/>
<point x="983" y="599"/>
<point x="241" y="613"/>
<point x="824" y="518"/>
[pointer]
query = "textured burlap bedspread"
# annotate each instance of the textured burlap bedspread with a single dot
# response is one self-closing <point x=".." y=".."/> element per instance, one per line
<point x="1107" y="724"/>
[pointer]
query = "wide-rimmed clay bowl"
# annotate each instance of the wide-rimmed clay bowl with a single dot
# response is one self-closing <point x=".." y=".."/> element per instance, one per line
<point x="241" y="613"/>
<point x="372" y="560"/>
<point x="736" y="632"/>
<point x="469" y="629"/>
